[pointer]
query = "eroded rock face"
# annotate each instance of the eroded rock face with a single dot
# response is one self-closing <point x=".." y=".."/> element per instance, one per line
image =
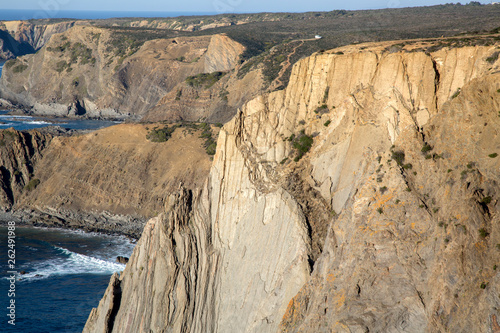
<point x="22" y="37"/>
<point x="19" y="153"/>
<point x="109" y="180"/>
<point x="394" y="206"/>
<point x="87" y="72"/>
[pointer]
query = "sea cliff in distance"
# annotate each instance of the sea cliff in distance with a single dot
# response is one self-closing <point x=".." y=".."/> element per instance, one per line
<point x="289" y="182"/>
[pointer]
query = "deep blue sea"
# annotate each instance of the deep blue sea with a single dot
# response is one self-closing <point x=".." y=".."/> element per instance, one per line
<point x="66" y="275"/>
<point x="53" y="12"/>
<point x="28" y="122"/>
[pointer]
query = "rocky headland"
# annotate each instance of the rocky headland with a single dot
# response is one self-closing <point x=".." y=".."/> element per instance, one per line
<point x="111" y="180"/>
<point x="363" y="197"/>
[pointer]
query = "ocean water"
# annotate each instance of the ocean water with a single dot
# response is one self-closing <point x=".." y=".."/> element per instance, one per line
<point x="54" y="12"/>
<point x="66" y="274"/>
<point x="28" y="122"/>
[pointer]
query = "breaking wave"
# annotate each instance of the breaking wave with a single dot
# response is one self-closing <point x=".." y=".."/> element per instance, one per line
<point x="68" y="263"/>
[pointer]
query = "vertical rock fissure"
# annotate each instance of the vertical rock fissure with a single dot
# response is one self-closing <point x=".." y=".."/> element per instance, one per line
<point x="115" y="305"/>
<point x="437" y="81"/>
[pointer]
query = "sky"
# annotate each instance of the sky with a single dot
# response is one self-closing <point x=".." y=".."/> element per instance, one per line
<point x="212" y="6"/>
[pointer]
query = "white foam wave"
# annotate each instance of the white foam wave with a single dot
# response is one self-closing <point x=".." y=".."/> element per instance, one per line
<point x="37" y="122"/>
<point x="71" y="263"/>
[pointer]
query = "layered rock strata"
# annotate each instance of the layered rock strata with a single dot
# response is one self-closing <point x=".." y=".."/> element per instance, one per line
<point x="388" y="223"/>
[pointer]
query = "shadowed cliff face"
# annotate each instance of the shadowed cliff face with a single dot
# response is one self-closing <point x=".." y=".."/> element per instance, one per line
<point x="367" y="190"/>
<point x="19" y="153"/>
<point x="18" y="38"/>
<point x="97" y="72"/>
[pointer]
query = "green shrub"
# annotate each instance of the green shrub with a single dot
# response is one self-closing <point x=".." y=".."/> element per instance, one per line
<point x="483" y="233"/>
<point x="325" y="96"/>
<point x="32" y="184"/>
<point x="426" y="148"/>
<point x="486" y="200"/>
<point x="483" y="285"/>
<point x="10" y="63"/>
<point x="205" y="80"/>
<point x="493" y="155"/>
<point x="302" y="144"/>
<point x="62" y="65"/>
<point x="328" y="122"/>
<point x="455" y="95"/>
<point x="380" y="210"/>
<point x="161" y="134"/>
<point x="211" y="148"/>
<point x="20" y="68"/>
<point x="399" y="157"/>
<point x="491" y="59"/>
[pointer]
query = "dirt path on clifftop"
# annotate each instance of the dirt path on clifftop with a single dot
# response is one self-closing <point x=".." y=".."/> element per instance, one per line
<point x="277" y="82"/>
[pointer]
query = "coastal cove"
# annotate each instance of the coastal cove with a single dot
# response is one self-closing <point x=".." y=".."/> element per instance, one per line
<point x="25" y="122"/>
<point x="65" y="275"/>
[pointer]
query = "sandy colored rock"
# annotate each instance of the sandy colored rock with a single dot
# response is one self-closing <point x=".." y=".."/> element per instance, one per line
<point x="394" y="207"/>
<point x="82" y="72"/>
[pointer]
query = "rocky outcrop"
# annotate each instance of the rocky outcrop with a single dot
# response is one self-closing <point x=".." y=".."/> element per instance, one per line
<point x="387" y="223"/>
<point x="98" y="72"/>
<point x="18" y="38"/>
<point x="19" y="152"/>
<point x="110" y="180"/>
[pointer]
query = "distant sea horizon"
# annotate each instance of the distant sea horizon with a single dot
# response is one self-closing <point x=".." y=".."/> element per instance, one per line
<point x="28" y="14"/>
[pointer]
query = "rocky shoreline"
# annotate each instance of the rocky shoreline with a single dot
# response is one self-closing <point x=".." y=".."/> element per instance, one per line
<point x="103" y="222"/>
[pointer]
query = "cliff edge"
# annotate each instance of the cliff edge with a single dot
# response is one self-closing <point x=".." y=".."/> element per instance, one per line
<point x="363" y="197"/>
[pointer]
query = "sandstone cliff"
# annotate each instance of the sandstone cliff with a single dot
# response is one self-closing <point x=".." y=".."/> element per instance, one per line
<point x="22" y="37"/>
<point x="109" y="180"/>
<point x="387" y="224"/>
<point x="19" y="153"/>
<point x="99" y="72"/>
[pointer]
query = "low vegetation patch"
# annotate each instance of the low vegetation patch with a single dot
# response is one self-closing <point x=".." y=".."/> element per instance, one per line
<point x="456" y="94"/>
<point x="161" y="134"/>
<point x="77" y="52"/>
<point x="205" y="80"/>
<point x="20" y="68"/>
<point x="426" y="148"/>
<point x="62" y="65"/>
<point x="302" y="143"/>
<point x="483" y="233"/>
<point x="210" y="144"/>
<point x="494" y="57"/>
<point x="164" y="134"/>
<point x="322" y="109"/>
<point x="32" y="184"/>
<point x="399" y="157"/>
